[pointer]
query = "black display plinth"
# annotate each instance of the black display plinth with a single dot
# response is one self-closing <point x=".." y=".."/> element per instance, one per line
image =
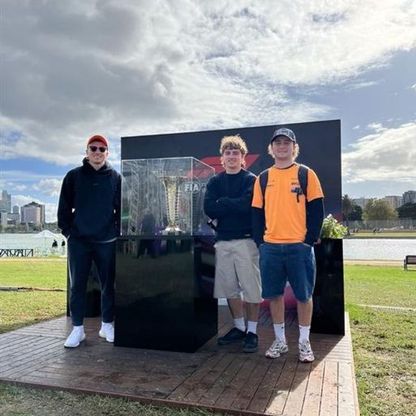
<point x="164" y="293"/>
<point x="328" y="298"/>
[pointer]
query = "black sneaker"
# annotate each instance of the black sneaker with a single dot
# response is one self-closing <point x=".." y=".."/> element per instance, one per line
<point x="233" y="335"/>
<point x="251" y="342"/>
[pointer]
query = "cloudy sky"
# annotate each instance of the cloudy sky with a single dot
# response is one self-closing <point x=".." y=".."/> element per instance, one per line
<point x="73" y="68"/>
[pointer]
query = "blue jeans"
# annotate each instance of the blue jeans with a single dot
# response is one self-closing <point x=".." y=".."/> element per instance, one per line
<point x="293" y="262"/>
<point x="80" y="256"/>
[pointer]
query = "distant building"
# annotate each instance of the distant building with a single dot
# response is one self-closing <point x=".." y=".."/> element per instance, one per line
<point x="3" y="219"/>
<point x="5" y="202"/>
<point x="409" y="197"/>
<point x="33" y="213"/>
<point x="361" y="202"/>
<point x="395" y="201"/>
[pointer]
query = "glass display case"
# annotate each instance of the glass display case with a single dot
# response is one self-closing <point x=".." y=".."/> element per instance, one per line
<point x="164" y="196"/>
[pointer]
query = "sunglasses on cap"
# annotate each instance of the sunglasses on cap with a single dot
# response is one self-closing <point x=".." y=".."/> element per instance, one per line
<point x="93" y="149"/>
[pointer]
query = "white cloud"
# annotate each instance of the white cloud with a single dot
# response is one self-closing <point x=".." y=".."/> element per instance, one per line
<point x="51" y="187"/>
<point x="72" y="69"/>
<point x="388" y="155"/>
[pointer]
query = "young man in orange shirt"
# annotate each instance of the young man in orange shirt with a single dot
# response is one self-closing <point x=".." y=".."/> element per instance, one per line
<point x="286" y="225"/>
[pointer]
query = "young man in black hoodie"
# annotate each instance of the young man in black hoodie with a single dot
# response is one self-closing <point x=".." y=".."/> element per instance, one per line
<point x="228" y="203"/>
<point x="88" y="215"/>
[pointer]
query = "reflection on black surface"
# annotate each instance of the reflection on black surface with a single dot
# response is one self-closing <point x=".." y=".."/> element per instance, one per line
<point x="328" y="298"/>
<point x="164" y="299"/>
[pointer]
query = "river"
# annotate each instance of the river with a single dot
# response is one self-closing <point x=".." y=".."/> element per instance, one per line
<point x="354" y="249"/>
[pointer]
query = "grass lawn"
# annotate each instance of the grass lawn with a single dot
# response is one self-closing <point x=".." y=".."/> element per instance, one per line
<point x="387" y="286"/>
<point x="384" y="341"/>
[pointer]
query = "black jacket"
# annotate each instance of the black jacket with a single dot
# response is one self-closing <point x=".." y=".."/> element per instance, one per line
<point x="228" y="200"/>
<point x="89" y="203"/>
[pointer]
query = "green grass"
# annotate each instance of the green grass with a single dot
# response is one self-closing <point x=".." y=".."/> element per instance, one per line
<point x="28" y="307"/>
<point x="43" y="273"/>
<point x="388" y="286"/>
<point x="384" y="342"/>
<point x="19" y="401"/>
<point x="384" y="345"/>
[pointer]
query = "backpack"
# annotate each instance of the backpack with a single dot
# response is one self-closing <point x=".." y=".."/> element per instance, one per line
<point x="302" y="178"/>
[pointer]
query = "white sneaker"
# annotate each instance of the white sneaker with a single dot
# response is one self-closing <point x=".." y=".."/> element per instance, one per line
<point x="107" y="331"/>
<point x="305" y="352"/>
<point x="75" y="337"/>
<point x="278" y="347"/>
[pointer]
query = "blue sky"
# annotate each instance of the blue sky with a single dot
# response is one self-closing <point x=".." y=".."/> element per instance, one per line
<point x="119" y="67"/>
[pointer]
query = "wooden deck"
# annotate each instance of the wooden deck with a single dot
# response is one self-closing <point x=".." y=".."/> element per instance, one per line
<point x="218" y="378"/>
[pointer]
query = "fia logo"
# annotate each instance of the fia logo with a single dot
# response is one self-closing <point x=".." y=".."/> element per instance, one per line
<point x="191" y="187"/>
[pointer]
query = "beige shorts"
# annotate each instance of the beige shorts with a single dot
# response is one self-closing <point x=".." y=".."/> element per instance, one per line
<point x="237" y="270"/>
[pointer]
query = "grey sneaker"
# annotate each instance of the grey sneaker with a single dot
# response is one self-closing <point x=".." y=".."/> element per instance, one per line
<point x="75" y="337"/>
<point x="107" y="331"/>
<point x="305" y="352"/>
<point x="278" y="347"/>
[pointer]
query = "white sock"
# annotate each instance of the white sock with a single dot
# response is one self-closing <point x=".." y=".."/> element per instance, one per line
<point x="252" y="327"/>
<point x="240" y="324"/>
<point x="279" y="331"/>
<point x="304" y="333"/>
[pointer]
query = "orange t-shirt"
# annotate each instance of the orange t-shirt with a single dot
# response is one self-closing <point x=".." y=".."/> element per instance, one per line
<point x="285" y="216"/>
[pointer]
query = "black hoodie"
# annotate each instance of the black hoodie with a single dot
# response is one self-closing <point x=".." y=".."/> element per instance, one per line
<point x="89" y="203"/>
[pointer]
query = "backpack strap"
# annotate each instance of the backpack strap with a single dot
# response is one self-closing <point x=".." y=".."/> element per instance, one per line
<point x="303" y="178"/>
<point x="263" y="178"/>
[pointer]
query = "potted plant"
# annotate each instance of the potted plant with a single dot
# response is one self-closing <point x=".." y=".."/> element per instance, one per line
<point x="328" y="297"/>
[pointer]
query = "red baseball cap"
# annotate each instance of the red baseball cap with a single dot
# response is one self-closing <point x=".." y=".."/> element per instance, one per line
<point x="98" y="138"/>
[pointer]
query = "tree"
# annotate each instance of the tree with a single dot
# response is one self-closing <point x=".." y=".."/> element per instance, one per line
<point x="377" y="209"/>
<point x="356" y="213"/>
<point x="407" y="211"/>
<point x="346" y="207"/>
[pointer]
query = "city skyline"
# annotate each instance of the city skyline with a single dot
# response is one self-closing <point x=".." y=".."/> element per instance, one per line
<point x="73" y="69"/>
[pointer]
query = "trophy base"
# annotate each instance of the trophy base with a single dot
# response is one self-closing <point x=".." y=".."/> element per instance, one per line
<point x="172" y="230"/>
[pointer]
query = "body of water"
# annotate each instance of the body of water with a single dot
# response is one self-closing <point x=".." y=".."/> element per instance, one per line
<point x="41" y="245"/>
<point x="354" y="249"/>
<point x="378" y="249"/>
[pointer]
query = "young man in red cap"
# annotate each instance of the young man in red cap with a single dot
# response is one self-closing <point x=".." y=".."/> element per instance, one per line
<point x="88" y="215"/>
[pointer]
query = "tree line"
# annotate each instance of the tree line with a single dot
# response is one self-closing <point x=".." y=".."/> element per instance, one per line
<point x="375" y="209"/>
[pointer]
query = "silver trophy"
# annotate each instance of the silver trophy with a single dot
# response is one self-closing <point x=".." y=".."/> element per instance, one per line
<point x="172" y="191"/>
<point x="164" y="196"/>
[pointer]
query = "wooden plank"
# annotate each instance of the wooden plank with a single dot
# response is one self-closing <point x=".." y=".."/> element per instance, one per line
<point x="296" y="396"/>
<point x="183" y="390"/>
<point x="329" y="400"/>
<point x="267" y="386"/>
<point x="252" y="384"/>
<point x="211" y="395"/>
<point x="217" y="378"/>
<point x="230" y="393"/>
<point x="346" y="400"/>
<point x="312" y="401"/>
<point x="281" y="391"/>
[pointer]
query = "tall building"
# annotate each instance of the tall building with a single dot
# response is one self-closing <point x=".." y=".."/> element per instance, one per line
<point x="409" y="197"/>
<point x="361" y="202"/>
<point x="33" y="213"/>
<point x="395" y="201"/>
<point x="5" y="202"/>
<point x="3" y="219"/>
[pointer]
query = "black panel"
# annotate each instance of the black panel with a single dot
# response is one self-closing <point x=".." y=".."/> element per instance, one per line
<point x="328" y="297"/>
<point x="164" y="298"/>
